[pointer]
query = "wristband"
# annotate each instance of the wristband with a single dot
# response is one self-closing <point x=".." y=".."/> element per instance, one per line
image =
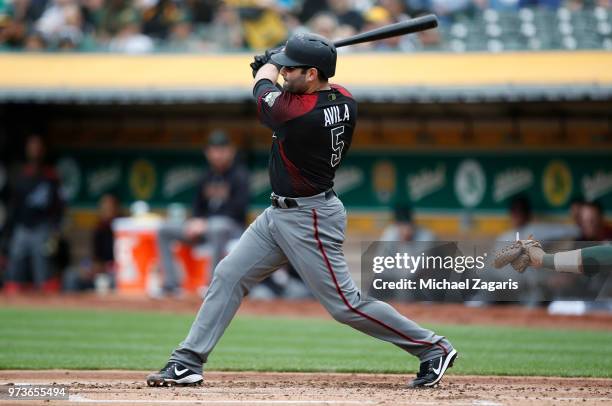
<point x="568" y="261"/>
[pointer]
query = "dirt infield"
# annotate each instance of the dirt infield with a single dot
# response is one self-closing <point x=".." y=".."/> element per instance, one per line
<point x="509" y="315"/>
<point x="255" y="388"/>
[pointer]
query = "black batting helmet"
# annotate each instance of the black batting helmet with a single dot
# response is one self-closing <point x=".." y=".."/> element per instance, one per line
<point x="306" y="50"/>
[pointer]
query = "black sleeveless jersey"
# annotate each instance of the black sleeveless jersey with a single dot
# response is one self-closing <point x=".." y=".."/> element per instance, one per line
<point x="312" y="135"/>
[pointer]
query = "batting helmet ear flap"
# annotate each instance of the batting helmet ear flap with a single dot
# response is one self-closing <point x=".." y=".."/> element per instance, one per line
<point x="309" y="50"/>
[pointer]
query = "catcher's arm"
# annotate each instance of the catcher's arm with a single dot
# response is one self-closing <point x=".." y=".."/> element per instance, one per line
<point x="588" y="261"/>
<point x="524" y="253"/>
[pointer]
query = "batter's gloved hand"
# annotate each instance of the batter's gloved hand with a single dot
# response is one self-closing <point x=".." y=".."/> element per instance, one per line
<point x="272" y="51"/>
<point x="258" y="62"/>
<point x="520" y="254"/>
<point x="261" y="60"/>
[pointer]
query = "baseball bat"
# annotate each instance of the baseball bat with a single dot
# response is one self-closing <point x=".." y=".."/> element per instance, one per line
<point x="392" y="30"/>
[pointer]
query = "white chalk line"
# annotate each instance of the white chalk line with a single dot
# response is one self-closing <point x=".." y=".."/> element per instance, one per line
<point x="476" y="402"/>
<point x="479" y="402"/>
<point x="569" y="399"/>
<point x="82" y="399"/>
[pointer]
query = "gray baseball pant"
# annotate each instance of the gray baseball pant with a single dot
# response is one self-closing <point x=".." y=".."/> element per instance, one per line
<point x="29" y="243"/>
<point x="310" y="237"/>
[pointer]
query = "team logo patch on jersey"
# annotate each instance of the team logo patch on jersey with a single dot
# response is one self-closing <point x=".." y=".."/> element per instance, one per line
<point x="270" y="98"/>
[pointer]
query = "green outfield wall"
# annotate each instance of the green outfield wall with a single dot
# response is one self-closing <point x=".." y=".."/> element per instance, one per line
<point x="479" y="181"/>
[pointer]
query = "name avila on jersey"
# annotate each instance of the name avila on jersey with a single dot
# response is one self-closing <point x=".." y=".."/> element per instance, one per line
<point x="332" y="115"/>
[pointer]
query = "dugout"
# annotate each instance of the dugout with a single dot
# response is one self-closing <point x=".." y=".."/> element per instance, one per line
<point x="456" y="135"/>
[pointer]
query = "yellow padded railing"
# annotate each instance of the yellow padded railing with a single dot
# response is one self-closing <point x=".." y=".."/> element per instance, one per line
<point x="75" y="71"/>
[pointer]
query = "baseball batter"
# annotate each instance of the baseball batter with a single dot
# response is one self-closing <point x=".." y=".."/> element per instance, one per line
<point x="313" y="123"/>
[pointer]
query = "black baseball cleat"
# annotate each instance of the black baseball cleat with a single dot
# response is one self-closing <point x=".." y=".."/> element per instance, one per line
<point x="174" y="374"/>
<point x="432" y="371"/>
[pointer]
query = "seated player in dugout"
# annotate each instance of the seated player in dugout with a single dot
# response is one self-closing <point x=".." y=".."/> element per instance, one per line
<point x="312" y="123"/>
<point x="100" y="266"/>
<point x="592" y="223"/>
<point x="218" y="212"/>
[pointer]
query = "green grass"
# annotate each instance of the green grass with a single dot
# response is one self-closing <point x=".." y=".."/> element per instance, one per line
<point x="41" y="339"/>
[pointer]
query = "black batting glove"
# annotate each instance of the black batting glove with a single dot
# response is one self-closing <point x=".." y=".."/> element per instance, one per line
<point x="261" y="60"/>
<point x="258" y="62"/>
<point x="272" y="51"/>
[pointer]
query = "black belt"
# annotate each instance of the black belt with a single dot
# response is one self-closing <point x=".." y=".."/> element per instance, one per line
<point x="289" y="203"/>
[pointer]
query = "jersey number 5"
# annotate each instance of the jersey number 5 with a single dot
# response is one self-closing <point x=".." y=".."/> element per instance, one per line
<point x="337" y="145"/>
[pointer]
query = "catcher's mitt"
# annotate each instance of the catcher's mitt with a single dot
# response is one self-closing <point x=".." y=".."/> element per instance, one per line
<point x="519" y="254"/>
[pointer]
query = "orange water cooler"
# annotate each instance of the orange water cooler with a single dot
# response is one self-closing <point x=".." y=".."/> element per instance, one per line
<point x="138" y="264"/>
